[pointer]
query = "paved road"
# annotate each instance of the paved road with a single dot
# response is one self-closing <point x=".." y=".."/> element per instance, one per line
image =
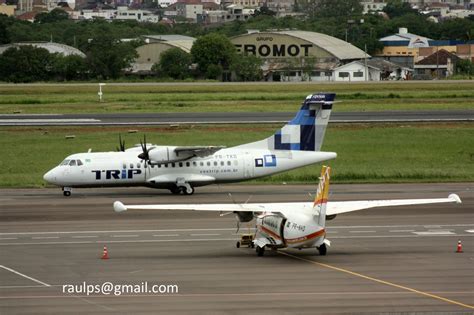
<point x="226" y="118"/>
<point x="391" y="260"/>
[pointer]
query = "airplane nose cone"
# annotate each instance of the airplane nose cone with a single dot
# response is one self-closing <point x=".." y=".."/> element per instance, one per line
<point x="49" y="177"/>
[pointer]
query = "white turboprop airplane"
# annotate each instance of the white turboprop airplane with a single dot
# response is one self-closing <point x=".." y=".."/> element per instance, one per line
<point x="293" y="224"/>
<point x="180" y="169"/>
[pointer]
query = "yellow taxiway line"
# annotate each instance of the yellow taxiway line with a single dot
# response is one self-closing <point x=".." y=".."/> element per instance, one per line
<point x="437" y="297"/>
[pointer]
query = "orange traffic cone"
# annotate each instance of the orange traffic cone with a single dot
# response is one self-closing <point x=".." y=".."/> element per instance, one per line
<point x="459" y="248"/>
<point x="105" y="255"/>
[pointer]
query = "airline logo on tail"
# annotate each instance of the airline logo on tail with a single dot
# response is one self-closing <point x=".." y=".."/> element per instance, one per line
<point x="306" y="130"/>
<point x="323" y="188"/>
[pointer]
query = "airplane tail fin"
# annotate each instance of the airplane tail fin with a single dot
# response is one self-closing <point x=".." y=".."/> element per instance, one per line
<point x="305" y="132"/>
<point x="320" y="202"/>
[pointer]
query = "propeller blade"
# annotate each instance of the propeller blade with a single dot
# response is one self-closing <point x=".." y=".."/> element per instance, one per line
<point x="121" y="147"/>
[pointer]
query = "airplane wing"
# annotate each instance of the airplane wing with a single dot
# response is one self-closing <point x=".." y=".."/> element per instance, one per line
<point x="199" y="151"/>
<point x="338" y="207"/>
<point x="227" y="207"/>
<point x="334" y="207"/>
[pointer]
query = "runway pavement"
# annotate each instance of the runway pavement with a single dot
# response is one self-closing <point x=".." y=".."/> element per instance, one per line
<point x="389" y="260"/>
<point x="228" y="118"/>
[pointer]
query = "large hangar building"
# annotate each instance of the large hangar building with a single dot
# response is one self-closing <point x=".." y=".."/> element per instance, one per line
<point x="303" y="56"/>
<point x="155" y="45"/>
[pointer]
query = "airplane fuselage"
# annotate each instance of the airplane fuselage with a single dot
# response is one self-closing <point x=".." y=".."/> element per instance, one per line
<point x="294" y="230"/>
<point x="103" y="169"/>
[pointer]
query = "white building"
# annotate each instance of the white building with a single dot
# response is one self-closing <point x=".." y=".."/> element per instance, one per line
<point x="87" y="14"/>
<point x="372" y="6"/>
<point x="356" y="71"/>
<point x="124" y="13"/>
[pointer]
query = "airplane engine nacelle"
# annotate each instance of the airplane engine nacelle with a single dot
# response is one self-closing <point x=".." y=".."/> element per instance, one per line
<point x="244" y="216"/>
<point x="166" y="155"/>
<point x="331" y="217"/>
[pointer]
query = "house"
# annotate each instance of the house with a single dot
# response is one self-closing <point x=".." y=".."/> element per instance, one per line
<point x="439" y="65"/>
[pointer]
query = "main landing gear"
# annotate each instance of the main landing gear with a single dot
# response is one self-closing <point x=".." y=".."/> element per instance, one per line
<point x="322" y="249"/>
<point x="185" y="189"/>
<point x="67" y="191"/>
<point x="260" y="250"/>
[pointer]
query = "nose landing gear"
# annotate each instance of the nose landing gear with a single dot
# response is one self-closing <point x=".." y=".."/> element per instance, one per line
<point x="67" y="191"/>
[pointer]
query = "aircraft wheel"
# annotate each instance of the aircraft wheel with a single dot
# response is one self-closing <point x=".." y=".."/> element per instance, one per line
<point x="322" y="250"/>
<point x="189" y="191"/>
<point x="66" y="193"/>
<point x="237" y="245"/>
<point x="260" y="251"/>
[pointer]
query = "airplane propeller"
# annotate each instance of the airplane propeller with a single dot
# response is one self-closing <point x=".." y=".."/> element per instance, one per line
<point x="121" y="147"/>
<point x="145" y="155"/>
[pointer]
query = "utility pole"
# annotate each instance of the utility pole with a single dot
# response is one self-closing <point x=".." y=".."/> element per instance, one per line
<point x="365" y="62"/>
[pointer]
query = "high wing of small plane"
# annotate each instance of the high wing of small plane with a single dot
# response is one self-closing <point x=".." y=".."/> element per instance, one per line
<point x="182" y="168"/>
<point x="291" y="224"/>
<point x="333" y="207"/>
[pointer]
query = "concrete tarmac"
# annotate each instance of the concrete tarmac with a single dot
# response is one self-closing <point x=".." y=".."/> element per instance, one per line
<point x="391" y="260"/>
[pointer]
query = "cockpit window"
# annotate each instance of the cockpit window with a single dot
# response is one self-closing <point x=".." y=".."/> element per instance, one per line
<point x="79" y="162"/>
<point x="72" y="163"/>
<point x="65" y="162"/>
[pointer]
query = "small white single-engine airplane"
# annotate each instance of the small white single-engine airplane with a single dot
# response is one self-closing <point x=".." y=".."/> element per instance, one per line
<point x="292" y="224"/>
<point x="181" y="168"/>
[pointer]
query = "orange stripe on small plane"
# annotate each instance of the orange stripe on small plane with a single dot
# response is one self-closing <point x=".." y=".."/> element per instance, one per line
<point x="268" y="231"/>
<point x="320" y="201"/>
<point x="306" y="237"/>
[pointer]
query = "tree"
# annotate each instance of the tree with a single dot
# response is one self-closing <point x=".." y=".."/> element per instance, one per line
<point x="5" y="22"/>
<point x="51" y="17"/>
<point x="263" y="10"/>
<point x="174" y="63"/>
<point x="464" y="67"/>
<point x="396" y="8"/>
<point x="213" y="49"/>
<point x="248" y="68"/>
<point x="331" y="8"/>
<point x="107" y="57"/>
<point x="26" y="64"/>
<point x="72" y="67"/>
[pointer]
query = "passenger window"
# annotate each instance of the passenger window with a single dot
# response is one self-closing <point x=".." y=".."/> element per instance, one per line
<point x="173" y="164"/>
<point x="166" y="164"/>
<point x="215" y="163"/>
<point x="180" y="164"/>
<point x="201" y="163"/>
<point x="222" y="163"/>
<point x="159" y="165"/>
<point x="79" y="162"/>
<point x="208" y="163"/>
<point x="188" y="164"/>
<point x="138" y="165"/>
<point x="72" y="163"/>
<point x="194" y="163"/>
<point x="124" y="166"/>
<point x="229" y="163"/>
<point x="131" y="165"/>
